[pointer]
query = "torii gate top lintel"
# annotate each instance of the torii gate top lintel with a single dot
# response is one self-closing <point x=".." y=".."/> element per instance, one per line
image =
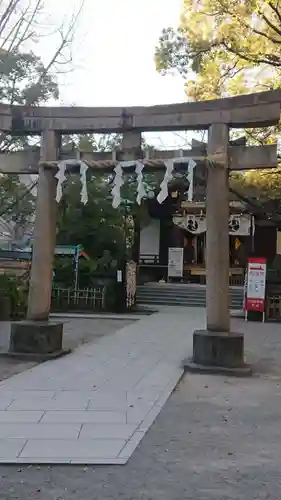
<point x="251" y="110"/>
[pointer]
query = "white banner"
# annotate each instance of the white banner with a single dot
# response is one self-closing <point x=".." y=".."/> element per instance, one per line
<point x="175" y="263"/>
<point x="195" y="224"/>
<point x="239" y="225"/>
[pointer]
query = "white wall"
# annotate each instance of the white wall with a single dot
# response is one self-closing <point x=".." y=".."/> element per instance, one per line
<point x="150" y="238"/>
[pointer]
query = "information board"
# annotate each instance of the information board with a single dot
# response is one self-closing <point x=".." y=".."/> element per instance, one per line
<point x="175" y="263"/>
<point x="256" y="282"/>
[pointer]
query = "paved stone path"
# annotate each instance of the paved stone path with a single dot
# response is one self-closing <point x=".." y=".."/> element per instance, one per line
<point x="93" y="329"/>
<point x="95" y="405"/>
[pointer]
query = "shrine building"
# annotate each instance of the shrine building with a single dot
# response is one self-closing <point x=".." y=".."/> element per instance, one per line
<point x="182" y="224"/>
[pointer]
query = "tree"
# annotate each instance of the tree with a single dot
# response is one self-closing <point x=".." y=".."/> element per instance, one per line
<point x="23" y="74"/>
<point x="26" y="80"/>
<point x="19" y="205"/>
<point x="224" y="48"/>
<point x="90" y="143"/>
<point x="230" y="45"/>
<point x="97" y="225"/>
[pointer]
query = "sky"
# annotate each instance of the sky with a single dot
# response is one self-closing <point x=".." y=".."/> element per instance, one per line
<point x="113" y="55"/>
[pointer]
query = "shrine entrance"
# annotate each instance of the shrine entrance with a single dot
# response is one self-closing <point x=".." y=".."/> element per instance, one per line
<point x="191" y="221"/>
<point x="194" y="259"/>
<point x="194" y="253"/>
<point x="215" y="346"/>
<point x="195" y="250"/>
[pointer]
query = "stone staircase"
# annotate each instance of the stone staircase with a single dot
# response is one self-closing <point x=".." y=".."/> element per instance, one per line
<point x="181" y="294"/>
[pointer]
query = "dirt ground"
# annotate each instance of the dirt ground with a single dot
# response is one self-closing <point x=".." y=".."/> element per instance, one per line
<point x="217" y="438"/>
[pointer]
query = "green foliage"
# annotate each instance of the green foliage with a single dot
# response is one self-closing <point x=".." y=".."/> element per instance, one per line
<point x="264" y="184"/>
<point x="96" y="225"/>
<point x="262" y="188"/>
<point x="24" y="80"/>
<point x="231" y="46"/>
<point x="225" y="48"/>
<point x="13" y="289"/>
<point x="91" y="143"/>
<point x="100" y="228"/>
<point x="92" y="274"/>
<point x="16" y="202"/>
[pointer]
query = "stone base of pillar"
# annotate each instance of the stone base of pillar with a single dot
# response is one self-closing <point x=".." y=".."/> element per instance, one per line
<point x="216" y="352"/>
<point x="36" y="340"/>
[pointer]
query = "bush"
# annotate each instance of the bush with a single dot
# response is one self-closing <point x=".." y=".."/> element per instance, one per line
<point x="14" y="294"/>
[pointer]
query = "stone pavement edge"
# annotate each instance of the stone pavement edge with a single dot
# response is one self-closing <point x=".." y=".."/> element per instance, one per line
<point x="95" y="405"/>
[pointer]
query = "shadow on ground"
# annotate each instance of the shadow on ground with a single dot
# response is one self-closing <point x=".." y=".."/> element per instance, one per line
<point x="217" y="438"/>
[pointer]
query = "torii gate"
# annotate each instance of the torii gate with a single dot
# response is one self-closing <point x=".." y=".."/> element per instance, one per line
<point x="217" y="345"/>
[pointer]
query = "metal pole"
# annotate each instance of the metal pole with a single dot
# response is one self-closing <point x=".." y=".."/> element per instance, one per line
<point x="125" y="257"/>
<point x="125" y="230"/>
<point x="76" y="257"/>
<point x="76" y="274"/>
<point x="252" y="236"/>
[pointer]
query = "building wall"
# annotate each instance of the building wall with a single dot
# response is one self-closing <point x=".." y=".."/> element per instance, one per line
<point x="150" y="238"/>
<point x="265" y="242"/>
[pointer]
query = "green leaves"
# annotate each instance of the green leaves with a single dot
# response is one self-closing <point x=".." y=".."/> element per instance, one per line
<point x="23" y="79"/>
<point x="97" y="225"/>
<point x="224" y="48"/>
<point x="230" y="45"/>
<point x="17" y="202"/>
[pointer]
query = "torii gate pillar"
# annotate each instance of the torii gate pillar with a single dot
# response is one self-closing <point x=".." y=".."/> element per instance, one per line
<point x="217" y="237"/>
<point x="217" y="348"/>
<point x="44" y="240"/>
<point x="37" y="337"/>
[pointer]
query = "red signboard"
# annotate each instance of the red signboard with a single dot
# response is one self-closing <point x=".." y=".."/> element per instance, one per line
<point x="255" y="284"/>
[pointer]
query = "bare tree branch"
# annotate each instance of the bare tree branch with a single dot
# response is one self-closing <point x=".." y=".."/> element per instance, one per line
<point x="24" y="78"/>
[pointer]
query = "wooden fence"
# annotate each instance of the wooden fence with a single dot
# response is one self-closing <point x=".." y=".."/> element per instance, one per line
<point x="86" y="299"/>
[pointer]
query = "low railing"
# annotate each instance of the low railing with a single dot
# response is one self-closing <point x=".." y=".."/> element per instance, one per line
<point x="273" y="307"/>
<point x="236" y="280"/>
<point x="86" y="299"/>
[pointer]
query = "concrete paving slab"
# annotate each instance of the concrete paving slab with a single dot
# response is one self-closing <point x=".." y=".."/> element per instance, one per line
<point x="94" y="406"/>
<point x="217" y="438"/>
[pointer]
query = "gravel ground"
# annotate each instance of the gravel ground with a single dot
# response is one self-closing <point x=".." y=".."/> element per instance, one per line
<point x="217" y="438"/>
<point x="74" y="336"/>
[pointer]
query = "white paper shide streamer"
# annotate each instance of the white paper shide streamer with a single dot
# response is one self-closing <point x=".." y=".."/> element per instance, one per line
<point x="83" y="178"/>
<point x="140" y="187"/>
<point x="191" y="166"/>
<point x="118" y="182"/>
<point x="167" y="178"/>
<point x="60" y="175"/>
